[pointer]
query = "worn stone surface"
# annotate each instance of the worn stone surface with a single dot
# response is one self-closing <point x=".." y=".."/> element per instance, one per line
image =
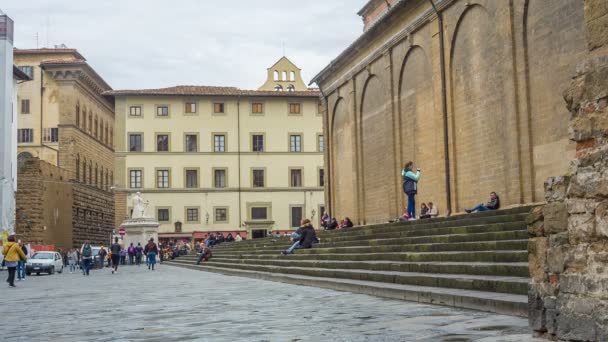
<point x="139" y="305"/>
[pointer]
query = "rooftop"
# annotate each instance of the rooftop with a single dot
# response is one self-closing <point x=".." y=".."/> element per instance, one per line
<point x="194" y="90"/>
<point x="44" y="51"/>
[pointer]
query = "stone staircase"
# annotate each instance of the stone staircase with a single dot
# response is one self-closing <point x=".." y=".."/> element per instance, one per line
<point x="476" y="261"/>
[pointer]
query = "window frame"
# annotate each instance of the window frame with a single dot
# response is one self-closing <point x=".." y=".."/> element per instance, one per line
<point x="319" y="171"/>
<point x="198" y="177"/>
<point x="158" y="134"/>
<point x="188" y="106"/>
<point x="141" y="180"/>
<point x="141" y="135"/>
<point x="222" y="103"/>
<point x="197" y="135"/>
<point x="141" y="111"/>
<point x="297" y="168"/>
<point x="215" y="220"/>
<point x="27" y="67"/>
<point x="157" y="107"/>
<point x="302" y="214"/>
<point x="187" y="217"/>
<point x="252" y="175"/>
<point x="225" y="135"/>
<point x="156" y="183"/>
<point x="289" y="135"/>
<point x="48" y="135"/>
<point x="30" y="135"/>
<point x="252" y="143"/>
<point x="225" y="169"/>
<point x="168" y="209"/>
<point x="251" y="205"/>
<point x="320" y="144"/>
<point x="252" y="107"/>
<point x="28" y="106"/>
<point x="290" y="107"/>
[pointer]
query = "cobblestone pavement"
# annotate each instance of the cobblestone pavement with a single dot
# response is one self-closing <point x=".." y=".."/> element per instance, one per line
<point x="175" y="304"/>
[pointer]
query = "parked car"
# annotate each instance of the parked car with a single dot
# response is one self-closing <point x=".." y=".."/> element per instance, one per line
<point x="44" y="262"/>
<point x="95" y="254"/>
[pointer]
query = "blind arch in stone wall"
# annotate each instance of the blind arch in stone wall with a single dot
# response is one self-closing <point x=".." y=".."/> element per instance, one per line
<point x="377" y="162"/>
<point x="343" y="170"/>
<point x="479" y="139"/>
<point x="419" y="128"/>
<point x="554" y="40"/>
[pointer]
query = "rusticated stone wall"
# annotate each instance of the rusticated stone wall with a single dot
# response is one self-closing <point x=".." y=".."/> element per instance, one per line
<point x="569" y="235"/>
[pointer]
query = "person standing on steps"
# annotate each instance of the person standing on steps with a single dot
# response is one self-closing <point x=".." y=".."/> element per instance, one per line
<point x="115" y="255"/>
<point x="150" y="251"/>
<point x="410" y="187"/>
<point x="86" y="253"/>
<point x="12" y="255"/>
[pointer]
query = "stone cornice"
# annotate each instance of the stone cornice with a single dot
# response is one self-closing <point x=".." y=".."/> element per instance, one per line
<point x="222" y="190"/>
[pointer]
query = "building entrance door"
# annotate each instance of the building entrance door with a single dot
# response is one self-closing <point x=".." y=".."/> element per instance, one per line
<point x="258" y="233"/>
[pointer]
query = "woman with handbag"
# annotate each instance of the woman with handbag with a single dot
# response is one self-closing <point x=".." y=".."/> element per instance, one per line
<point x="12" y="255"/>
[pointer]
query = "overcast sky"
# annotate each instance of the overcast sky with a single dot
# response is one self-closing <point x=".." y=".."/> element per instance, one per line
<point x="160" y="43"/>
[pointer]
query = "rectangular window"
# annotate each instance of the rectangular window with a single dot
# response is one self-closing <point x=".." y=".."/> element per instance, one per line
<point x="162" y="111"/>
<point x="294" y="108"/>
<point x="28" y="70"/>
<point x="219" y="143"/>
<point x="50" y="135"/>
<point x="259" y="213"/>
<point x="162" y="143"/>
<point x="135" y="144"/>
<point x="190" y="108"/>
<point x="25" y="135"/>
<point x="258" y="178"/>
<point x="218" y="108"/>
<point x="191" y="143"/>
<point x="221" y="215"/>
<point x="162" y="179"/>
<point x="219" y="178"/>
<point x="257" y="143"/>
<point x="191" y="178"/>
<point x="162" y="215"/>
<point x="25" y="106"/>
<point x="321" y="177"/>
<point x="295" y="176"/>
<point x="320" y="143"/>
<point x="295" y="143"/>
<point x="296" y="216"/>
<point x="257" y="107"/>
<point x="135" y="179"/>
<point x="192" y="215"/>
<point x="135" y="111"/>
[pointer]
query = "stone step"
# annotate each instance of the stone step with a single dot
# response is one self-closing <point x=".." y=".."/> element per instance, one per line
<point x="502" y="284"/>
<point x="459" y="256"/>
<point x="501" y="303"/>
<point x="432" y="247"/>
<point x="513" y="269"/>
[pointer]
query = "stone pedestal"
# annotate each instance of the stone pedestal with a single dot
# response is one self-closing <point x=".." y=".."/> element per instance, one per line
<point x="140" y="230"/>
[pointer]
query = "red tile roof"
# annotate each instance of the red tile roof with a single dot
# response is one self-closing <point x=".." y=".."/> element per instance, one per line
<point x="190" y="90"/>
<point x="48" y="51"/>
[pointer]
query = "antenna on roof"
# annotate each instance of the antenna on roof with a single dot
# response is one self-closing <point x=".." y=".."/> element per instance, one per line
<point x="37" y="43"/>
<point x="283" y="48"/>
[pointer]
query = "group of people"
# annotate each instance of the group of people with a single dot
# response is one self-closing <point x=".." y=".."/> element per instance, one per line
<point x="115" y="255"/>
<point x="331" y="224"/>
<point x="213" y="240"/>
<point x="410" y="180"/>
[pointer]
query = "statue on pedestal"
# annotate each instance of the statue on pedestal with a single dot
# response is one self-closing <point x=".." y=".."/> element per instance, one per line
<point x="139" y="206"/>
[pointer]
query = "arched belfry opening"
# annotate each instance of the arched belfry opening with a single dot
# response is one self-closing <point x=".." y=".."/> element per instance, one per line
<point x="284" y="75"/>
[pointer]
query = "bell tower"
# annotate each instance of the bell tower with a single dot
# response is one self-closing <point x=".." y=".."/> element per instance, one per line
<point x="284" y="76"/>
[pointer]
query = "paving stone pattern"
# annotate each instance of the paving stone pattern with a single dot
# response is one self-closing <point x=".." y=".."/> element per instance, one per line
<point x="176" y="304"/>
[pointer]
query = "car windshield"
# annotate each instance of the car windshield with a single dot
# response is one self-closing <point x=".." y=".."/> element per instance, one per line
<point x="44" y="256"/>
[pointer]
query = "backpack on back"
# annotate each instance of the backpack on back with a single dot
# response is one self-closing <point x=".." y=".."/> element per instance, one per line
<point x="86" y="251"/>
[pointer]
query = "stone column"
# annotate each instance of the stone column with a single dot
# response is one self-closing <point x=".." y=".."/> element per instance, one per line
<point x="568" y="297"/>
<point x="8" y="146"/>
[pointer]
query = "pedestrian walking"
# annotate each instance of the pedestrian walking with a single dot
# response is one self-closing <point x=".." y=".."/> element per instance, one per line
<point x="12" y="253"/>
<point x="123" y="256"/>
<point x="150" y="251"/>
<point x="138" y="254"/>
<point x="131" y="253"/>
<point x="86" y="254"/>
<point x="102" y="256"/>
<point x="21" y="263"/>
<point x="72" y="260"/>
<point x="115" y="255"/>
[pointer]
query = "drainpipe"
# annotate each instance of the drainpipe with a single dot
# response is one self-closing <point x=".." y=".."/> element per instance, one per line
<point x="444" y="108"/>
<point x="41" y="102"/>
<point x="238" y="134"/>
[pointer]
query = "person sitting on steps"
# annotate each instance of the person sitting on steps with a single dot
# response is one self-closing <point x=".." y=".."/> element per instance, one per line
<point x="308" y="236"/>
<point x="433" y="212"/>
<point x="493" y="204"/>
<point x="424" y="211"/>
<point x="204" y="255"/>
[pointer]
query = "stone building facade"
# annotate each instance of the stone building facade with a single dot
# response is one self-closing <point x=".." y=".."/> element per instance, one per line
<point x="470" y="93"/>
<point x="569" y="235"/>
<point x="64" y="120"/>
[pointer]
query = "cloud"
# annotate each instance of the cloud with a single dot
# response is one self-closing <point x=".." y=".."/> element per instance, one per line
<point x="154" y="43"/>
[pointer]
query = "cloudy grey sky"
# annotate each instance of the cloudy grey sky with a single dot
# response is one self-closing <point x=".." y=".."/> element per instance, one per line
<point x="159" y="43"/>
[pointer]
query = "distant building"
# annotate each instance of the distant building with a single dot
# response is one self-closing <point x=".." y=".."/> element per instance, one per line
<point x="222" y="158"/>
<point x="66" y="123"/>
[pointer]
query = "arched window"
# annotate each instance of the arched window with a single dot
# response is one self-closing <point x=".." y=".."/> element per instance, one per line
<point x="77" y="114"/>
<point x="291" y="87"/>
<point x="111" y="136"/>
<point x="106" y="133"/>
<point x="101" y="130"/>
<point x="278" y="88"/>
<point x="107" y="180"/>
<point x="90" y="173"/>
<point x="96" y="132"/>
<point x="84" y="171"/>
<point x="284" y="76"/>
<point x="96" y="175"/>
<point x="292" y="76"/>
<point x="90" y="122"/>
<point x="84" y="118"/>
<point x="77" y="169"/>
<point x="276" y="75"/>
